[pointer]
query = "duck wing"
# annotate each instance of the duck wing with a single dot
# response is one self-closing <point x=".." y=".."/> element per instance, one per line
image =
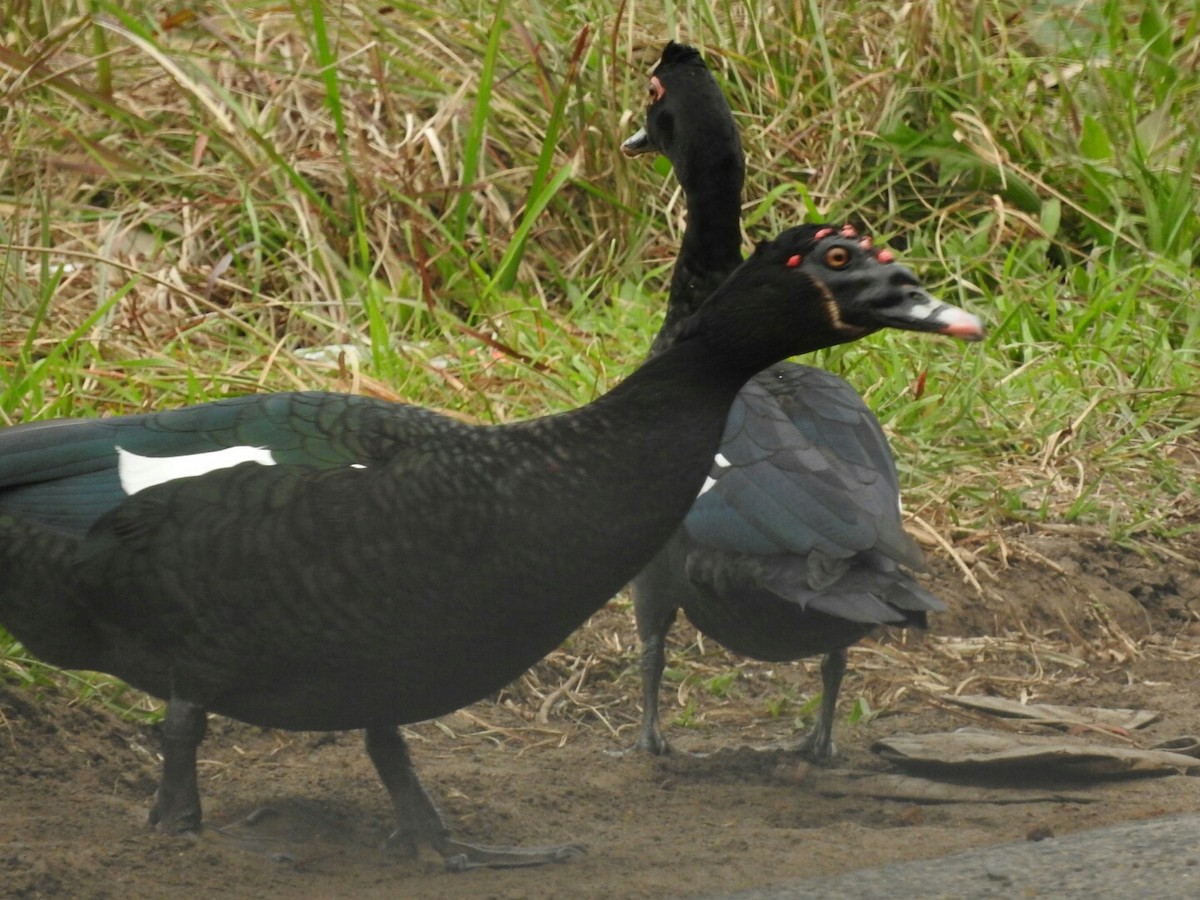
<point x="804" y="468"/>
<point x="66" y="474"/>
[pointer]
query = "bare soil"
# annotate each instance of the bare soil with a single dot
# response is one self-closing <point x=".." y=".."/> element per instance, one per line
<point x="1057" y="617"/>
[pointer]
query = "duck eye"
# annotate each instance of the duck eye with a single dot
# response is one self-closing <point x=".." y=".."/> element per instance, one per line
<point x="656" y="89"/>
<point x="837" y="257"/>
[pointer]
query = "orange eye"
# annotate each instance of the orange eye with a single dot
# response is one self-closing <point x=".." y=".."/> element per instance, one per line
<point x="837" y="257"/>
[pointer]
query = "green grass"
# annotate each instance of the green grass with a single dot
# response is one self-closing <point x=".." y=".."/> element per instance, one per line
<point x="195" y="207"/>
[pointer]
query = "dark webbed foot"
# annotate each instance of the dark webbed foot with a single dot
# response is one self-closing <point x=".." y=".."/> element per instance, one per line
<point x="660" y="746"/>
<point x="176" y="807"/>
<point x="817" y="747"/>
<point x="420" y="821"/>
<point x="461" y="856"/>
<point x="650" y="740"/>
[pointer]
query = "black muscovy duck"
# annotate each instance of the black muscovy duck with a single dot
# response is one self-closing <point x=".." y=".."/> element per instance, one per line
<point x="324" y="562"/>
<point x="794" y="547"/>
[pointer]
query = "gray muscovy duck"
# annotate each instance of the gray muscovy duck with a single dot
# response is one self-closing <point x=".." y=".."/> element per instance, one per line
<point x="794" y="547"/>
<point x="318" y="561"/>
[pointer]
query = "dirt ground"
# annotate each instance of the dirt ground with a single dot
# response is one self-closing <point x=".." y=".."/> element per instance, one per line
<point x="1055" y="617"/>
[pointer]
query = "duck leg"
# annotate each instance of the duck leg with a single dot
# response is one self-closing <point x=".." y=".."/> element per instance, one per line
<point x="177" y="803"/>
<point x="818" y="745"/>
<point x="419" y="820"/>
<point x="654" y="610"/>
<point x="650" y="737"/>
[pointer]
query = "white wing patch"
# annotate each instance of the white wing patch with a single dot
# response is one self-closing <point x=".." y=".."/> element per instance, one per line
<point x="721" y="460"/>
<point x="140" y="472"/>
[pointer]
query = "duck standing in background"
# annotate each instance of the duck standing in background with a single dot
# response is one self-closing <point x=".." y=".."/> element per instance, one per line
<point x="794" y="548"/>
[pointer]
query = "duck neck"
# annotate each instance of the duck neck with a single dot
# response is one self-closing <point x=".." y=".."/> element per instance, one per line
<point x="712" y="244"/>
<point x="638" y="457"/>
<point x="656" y="433"/>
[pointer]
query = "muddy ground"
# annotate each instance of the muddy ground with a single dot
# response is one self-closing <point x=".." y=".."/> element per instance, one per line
<point x="1055" y="617"/>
